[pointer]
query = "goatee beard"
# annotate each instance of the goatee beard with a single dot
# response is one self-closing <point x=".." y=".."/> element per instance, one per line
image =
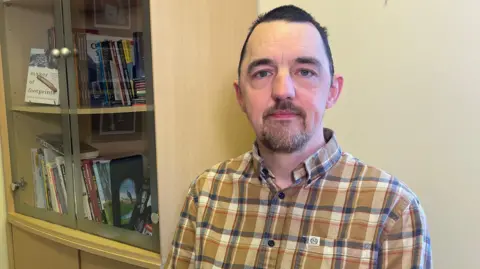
<point x="284" y="136"/>
<point x="284" y="141"/>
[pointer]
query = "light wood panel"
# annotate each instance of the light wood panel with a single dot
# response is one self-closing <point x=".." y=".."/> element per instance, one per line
<point x="31" y="251"/>
<point x="11" y="259"/>
<point x="196" y="47"/>
<point x="85" y="242"/>
<point x="90" y="261"/>
<point x="7" y="171"/>
<point x="4" y="136"/>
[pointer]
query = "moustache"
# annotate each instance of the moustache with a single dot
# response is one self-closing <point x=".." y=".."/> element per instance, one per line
<point x="284" y="106"/>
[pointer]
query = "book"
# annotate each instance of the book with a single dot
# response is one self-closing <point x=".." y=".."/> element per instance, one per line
<point x="40" y="197"/>
<point x="142" y="212"/>
<point x="91" y="190"/>
<point x="126" y="175"/>
<point x="55" y="143"/>
<point x="100" y="59"/>
<point x="42" y="80"/>
<point x="104" y="190"/>
<point x="87" y="210"/>
<point x="44" y="175"/>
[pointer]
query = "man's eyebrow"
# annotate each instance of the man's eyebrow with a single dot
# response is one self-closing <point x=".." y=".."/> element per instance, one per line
<point x="255" y="63"/>
<point x="309" y="60"/>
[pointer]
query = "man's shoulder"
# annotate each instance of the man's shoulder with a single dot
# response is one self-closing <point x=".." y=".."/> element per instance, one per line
<point x="227" y="170"/>
<point x="381" y="181"/>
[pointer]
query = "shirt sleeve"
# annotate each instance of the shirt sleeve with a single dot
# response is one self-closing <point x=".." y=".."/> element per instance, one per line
<point x="182" y="254"/>
<point x="407" y="243"/>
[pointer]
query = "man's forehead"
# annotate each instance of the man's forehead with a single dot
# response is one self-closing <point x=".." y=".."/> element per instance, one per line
<point x="285" y="40"/>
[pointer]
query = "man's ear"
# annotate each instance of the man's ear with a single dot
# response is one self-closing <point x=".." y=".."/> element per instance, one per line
<point x="239" y="95"/>
<point x="335" y="90"/>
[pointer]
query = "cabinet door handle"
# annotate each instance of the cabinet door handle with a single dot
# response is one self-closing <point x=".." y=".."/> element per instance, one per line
<point x="55" y="53"/>
<point x="65" y="52"/>
<point x="18" y="185"/>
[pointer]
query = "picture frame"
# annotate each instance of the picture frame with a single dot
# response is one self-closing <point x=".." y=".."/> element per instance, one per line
<point x="117" y="123"/>
<point x="115" y="14"/>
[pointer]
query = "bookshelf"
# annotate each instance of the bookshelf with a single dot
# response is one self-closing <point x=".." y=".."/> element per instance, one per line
<point x="91" y="110"/>
<point x="81" y="111"/>
<point x="37" y="109"/>
<point x="113" y="110"/>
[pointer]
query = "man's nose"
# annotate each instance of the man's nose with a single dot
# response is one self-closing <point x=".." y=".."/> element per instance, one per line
<point x="283" y="87"/>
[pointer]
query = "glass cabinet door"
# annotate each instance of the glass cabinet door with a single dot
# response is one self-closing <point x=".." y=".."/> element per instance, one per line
<point x="111" y="112"/>
<point x="37" y="108"/>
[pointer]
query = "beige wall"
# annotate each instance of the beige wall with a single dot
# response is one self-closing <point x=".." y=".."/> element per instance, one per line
<point x="3" y="221"/>
<point x="409" y="104"/>
<point x="198" y="123"/>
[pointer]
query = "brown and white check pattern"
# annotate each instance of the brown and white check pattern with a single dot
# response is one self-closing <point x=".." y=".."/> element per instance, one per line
<point x="339" y="213"/>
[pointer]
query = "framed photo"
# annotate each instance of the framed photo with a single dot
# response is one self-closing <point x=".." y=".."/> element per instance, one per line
<point x="117" y="123"/>
<point x="112" y="14"/>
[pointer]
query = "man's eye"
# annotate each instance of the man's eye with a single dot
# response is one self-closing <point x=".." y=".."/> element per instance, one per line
<point x="306" y="73"/>
<point x="261" y="74"/>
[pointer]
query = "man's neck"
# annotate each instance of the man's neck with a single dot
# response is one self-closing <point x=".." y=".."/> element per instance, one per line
<point x="283" y="164"/>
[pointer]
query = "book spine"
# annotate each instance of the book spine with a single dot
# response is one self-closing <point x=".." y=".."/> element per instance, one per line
<point x="101" y="192"/>
<point x="62" y="175"/>
<point x="106" y="57"/>
<point x="83" y="69"/>
<point x="101" y="83"/>
<point x="46" y="186"/>
<point x="86" y="201"/>
<point x="53" y="190"/>
<point x="105" y="171"/>
<point x="138" y="47"/>
<point x="123" y="76"/>
<point x="61" y="195"/>
<point x="92" y="193"/>
<point x="128" y="59"/>
<point x="126" y="76"/>
<point x="77" y="68"/>
<point x="119" y="90"/>
<point x="40" y="201"/>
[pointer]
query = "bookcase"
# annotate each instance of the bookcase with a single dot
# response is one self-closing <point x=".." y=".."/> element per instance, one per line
<point x="80" y="116"/>
<point x="98" y="149"/>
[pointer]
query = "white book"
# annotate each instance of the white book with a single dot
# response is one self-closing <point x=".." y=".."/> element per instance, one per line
<point x="40" y="201"/>
<point x="86" y="205"/>
<point x="42" y="80"/>
<point x="60" y="161"/>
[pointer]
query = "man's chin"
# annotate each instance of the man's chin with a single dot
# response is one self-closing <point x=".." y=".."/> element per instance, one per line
<point x="284" y="143"/>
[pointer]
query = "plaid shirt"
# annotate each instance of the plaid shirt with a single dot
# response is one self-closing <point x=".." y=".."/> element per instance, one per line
<point x="338" y="213"/>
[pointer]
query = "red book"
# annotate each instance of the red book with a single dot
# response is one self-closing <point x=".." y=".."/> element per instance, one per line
<point x="91" y="191"/>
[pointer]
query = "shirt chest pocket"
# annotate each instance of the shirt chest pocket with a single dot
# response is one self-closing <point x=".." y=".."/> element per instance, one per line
<point x="317" y="252"/>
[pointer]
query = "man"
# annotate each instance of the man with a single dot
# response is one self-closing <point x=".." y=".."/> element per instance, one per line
<point x="296" y="200"/>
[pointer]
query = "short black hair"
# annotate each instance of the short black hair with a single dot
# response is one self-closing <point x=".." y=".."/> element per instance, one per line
<point x="289" y="13"/>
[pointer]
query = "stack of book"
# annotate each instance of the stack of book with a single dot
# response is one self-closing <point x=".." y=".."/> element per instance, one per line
<point x="49" y="175"/>
<point x="114" y="191"/>
<point x="140" y="88"/>
<point x="106" y="68"/>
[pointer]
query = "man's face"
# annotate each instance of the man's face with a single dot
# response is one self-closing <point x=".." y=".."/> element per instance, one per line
<point x="285" y="84"/>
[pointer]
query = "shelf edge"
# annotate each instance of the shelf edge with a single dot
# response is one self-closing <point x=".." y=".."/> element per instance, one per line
<point x="86" y="242"/>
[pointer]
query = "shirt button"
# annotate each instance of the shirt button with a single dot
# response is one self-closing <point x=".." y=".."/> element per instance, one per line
<point x="271" y="243"/>
<point x="281" y="195"/>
